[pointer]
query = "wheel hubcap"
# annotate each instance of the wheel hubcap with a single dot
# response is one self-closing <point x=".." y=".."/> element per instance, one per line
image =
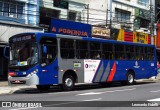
<point x="68" y="82"/>
<point x="130" y="78"/>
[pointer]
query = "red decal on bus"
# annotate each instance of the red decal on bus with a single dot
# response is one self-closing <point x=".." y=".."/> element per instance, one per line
<point x="112" y="73"/>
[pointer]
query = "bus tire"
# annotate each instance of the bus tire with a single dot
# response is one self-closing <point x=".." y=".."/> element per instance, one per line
<point x="130" y="78"/>
<point x="43" y="87"/>
<point x="68" y="83"/>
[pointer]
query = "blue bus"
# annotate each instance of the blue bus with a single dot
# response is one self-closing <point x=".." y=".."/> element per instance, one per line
<point x="45" y="59"/>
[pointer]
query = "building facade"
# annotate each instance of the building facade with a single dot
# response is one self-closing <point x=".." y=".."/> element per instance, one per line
<point x="17" y="16"/>
<point x="60" y="9"/>
<point x="131" y="14"/>
<point x="20" y="11"/>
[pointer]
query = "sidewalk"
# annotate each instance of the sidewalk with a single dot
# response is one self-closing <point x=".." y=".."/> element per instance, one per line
<point x="5" y="89"/>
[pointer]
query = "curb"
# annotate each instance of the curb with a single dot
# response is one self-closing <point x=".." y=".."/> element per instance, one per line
<point x="11" y="90"/>
<point x="5" y="92"/>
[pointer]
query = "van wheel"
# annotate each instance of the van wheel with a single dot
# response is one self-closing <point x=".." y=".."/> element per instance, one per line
<point x="68" y="83"/>
<point x="43" y="87"/>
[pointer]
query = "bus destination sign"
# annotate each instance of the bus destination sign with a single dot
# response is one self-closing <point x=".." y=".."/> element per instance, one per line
<point x="20" y="38"/>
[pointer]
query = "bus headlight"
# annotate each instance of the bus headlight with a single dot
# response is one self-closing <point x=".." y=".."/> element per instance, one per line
<point x="32" y="73"/>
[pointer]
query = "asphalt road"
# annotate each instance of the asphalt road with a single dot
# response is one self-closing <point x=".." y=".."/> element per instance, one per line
<point x="91" y="97"/>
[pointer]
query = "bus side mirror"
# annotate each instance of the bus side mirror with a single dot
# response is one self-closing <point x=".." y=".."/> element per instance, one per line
<point x="6" y="52"/>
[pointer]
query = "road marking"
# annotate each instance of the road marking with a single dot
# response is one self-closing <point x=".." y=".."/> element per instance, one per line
<point x="63" y="92"/>
<point x="121" y="90"/>
<point x="62" y="103"/>
<point x="91" y="93"/>
<point x="155" y="91"/>
<point x="97" y="93"/>
<point x="136" y="85"/>
<point x="157" y="99"/>
<point x="93" y="99"/>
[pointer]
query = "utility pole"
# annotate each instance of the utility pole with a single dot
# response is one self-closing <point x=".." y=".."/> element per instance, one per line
<point x="111" y="14"/>
<point x="87" y="7"/>
<point x="151" y="23"/>
<point x="107" y="13"/>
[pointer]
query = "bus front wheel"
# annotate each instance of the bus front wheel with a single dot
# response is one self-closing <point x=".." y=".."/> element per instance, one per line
<point x="68" y="83"/>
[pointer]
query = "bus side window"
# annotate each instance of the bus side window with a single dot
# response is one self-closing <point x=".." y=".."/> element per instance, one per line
<point x="67" y="49"/>
<point x="119" y="52"/>
<point x="139" y="53"/>
<point x="95" y="50"/>
<point x="107" y="51"/>
<point x="48" y="51"/>
<point x="150" y="53"/>
<point x="82" y="49"/>
<point x="129" y="52"/>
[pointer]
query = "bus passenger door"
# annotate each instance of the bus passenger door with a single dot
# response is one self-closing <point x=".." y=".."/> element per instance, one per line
<point x="49" y="62"/>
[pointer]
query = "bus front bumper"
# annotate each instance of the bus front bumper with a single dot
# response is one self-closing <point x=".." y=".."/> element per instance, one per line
<point x="28" y="80"/>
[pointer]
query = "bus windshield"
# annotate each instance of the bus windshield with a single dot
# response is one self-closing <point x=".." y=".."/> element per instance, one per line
<point x="23" y="54"/>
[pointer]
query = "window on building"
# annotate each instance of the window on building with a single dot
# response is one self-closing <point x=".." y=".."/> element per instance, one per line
<point x="143" y="2"/>
<point x="1" y="8"/>
<point x="6" y="9"/>
<point x="158" y="11"/>
<point x="140" y="22"/>
<point x="144" y="23"/>
<point x="11" y="8"/>
<point x="51" y="13"/>
<point x="79" y="16"/>
<point x="61" y="4"/>
<point x="20" y="10"/>
<point x="72" y="15"/>
<point x="122" y="15"/>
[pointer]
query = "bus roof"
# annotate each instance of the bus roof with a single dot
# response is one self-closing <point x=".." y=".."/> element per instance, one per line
<point x="39" y="34"/>
<point x="115" y="41"/>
